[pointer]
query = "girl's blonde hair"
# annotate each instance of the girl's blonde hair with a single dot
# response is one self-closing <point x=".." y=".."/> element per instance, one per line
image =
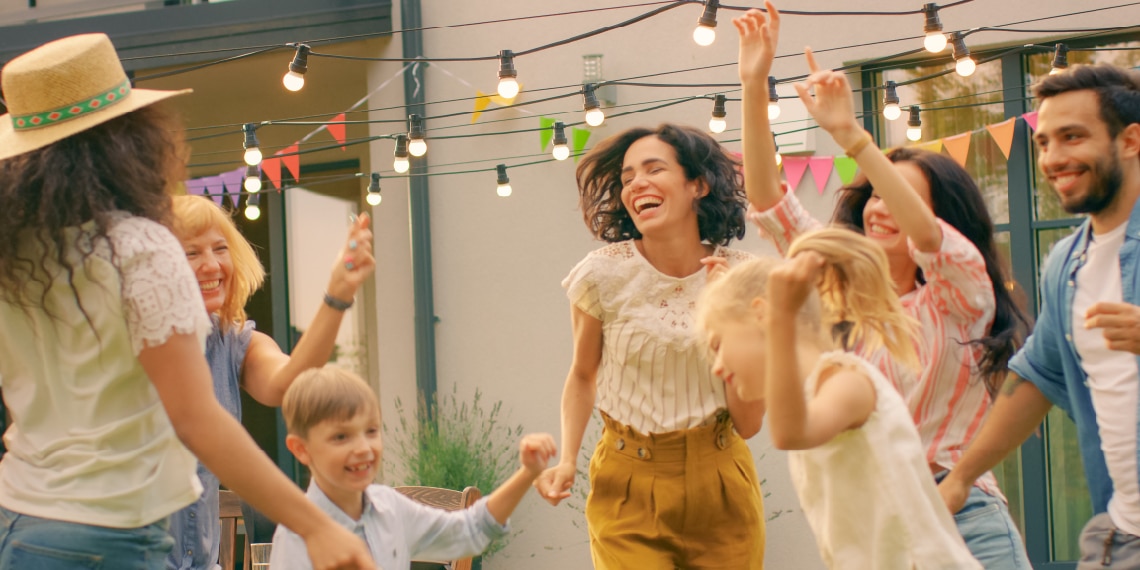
<point x="855" y="294"/>
<point x="194" y="215"/>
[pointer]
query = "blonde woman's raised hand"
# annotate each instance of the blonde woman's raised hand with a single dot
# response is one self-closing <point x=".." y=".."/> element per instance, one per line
<point x="759" y="35"/>
<point x="790" y="283"/>
<point x="354" y="263"/>
<point x="832" y="107"/>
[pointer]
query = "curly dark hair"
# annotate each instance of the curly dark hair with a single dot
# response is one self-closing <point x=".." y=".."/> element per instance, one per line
<point x="128" y="164"/>
<point x="1117" y="89"/>
<point x="720" y="213"/>
<point x="956" y="199"/>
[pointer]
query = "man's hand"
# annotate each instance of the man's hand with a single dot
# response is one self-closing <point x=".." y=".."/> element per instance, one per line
<point x="1120" y="323"/>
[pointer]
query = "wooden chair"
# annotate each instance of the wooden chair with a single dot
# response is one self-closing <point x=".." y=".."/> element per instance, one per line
<point x="229" y="509"/>
<point x="447" y="500"/>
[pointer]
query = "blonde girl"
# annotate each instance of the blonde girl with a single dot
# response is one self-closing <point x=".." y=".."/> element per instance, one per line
<point x="857" y="462"/>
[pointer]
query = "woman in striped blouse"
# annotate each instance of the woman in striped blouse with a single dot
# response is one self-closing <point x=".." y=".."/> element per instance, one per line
<point x="673" y="483"/>
<point x="930" y="217"/>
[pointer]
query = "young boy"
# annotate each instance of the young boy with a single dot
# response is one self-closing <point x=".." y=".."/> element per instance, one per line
<point x="334" y="428"/>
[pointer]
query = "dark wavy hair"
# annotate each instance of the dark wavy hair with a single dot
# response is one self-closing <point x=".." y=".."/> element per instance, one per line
<point x="956" y="200"/>
<point x="1117" y="89"/>
<point x="720" y="213"/>
<point x="128" y="163"/>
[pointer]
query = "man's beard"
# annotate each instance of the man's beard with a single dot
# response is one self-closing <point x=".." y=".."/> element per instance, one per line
<point x="1107" y="179"/>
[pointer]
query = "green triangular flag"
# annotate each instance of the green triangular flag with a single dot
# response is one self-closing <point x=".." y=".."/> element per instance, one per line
<point x="580" y="137"/>
<point x="546" y="124"/>
<point x="846" y="168"/>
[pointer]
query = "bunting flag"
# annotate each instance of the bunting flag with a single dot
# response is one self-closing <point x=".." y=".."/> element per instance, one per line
<point x="1031" y="119"/>
<point x="337" y="128"/>
<point x="821" y="167"/>
<point x="292" y="162"/>
<point x="546" y="131"/>
<point x="794" y="169"/>
<point x="1002" y="134"/>
<point x="232" y="181"/>
<point x="483" y="100"/>
<point x="214" y="187"/>
<point x="959" y="147"/>
<point x="196" y="187"/>
<point x="846" y="166"/>
<point x="578" y="138"/>
<point x="272" y="169"/>
<point x="934" y="146"/>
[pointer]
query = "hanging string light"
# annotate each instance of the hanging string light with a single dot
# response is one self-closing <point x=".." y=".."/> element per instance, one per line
<point x="935" y="40"/>
<point x="373" y="198"/>
<point x="1060" y="59"/>
<point x="252" y="152"/>
<point x="417" y="146"/>
<point x="252" y="182"/>
<point x="560" y="151"/>
<point x="705" y="33"/>
<point x="594" y="114"/>
<point x="295" y="79"/>
<point x="400" y="156"/>
<point x="508" y="85"/>
<point x="717" y="123"/>
<point x="891" y="108"/>
<point x="964" y="64"/>
<point x="504" y="187"/>
<point x="914" y="125"/>
<point x="779" y="157"/>
<point x="773" y="99"/>
<point x="252" y="206"/>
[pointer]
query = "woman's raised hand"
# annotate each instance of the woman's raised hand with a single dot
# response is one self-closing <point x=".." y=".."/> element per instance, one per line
<point x="758" y="38"/>
<point x="355" y="262"/>
<point x="832" y="107"/>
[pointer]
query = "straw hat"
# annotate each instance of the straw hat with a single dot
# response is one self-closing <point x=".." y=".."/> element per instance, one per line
<point x="65" y="87"/>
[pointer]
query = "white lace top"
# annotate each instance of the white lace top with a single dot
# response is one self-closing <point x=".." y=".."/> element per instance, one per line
<point x="654" y="375"/>
<point x="90" y="441"/>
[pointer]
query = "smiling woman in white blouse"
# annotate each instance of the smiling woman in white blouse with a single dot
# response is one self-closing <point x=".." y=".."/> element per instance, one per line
<point x="673" y="483"/>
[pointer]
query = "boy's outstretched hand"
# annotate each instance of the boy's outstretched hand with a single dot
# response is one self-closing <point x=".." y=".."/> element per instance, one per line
<point x="758" y="38"/>
<point x="535" y="451"/>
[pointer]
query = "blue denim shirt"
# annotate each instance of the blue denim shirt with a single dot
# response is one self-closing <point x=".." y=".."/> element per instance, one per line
<point x="1050" y="360"/>
<point x="196" y="529"/>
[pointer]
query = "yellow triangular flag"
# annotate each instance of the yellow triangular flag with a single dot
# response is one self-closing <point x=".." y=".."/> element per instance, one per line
<point x="932" y="146"/>
<point x="1002" y="134"/>
<point x="481" y="103"/>
<point x="959" y="147"/>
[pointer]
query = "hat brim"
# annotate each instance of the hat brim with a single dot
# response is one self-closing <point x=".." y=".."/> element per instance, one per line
<point x="14" y="143"/>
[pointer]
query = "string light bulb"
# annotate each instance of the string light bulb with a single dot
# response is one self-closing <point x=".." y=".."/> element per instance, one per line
<point x="373" y="198"/>
<point x="594" y="114"/>
<point x="295" y="79"/>
<point x="914" y="125"/>
<point x="717" y="123"/>
<point x="773" y="99"/>
<point x="964" y="64"/>
<point x="252" y="183"/>
<point x="508" y="85"/>
<point x="560" y="151"/>
<point x="1060" y="59"/>
<point x="417" y="146"/>
<point x="504" y="187"/>
<point x="705" y="33"/>
<point x="252" y="151"/>
<point x="775" y="145"/>
<point x="935" y="40"/>
<point x="400" y="156"/>
<point x="252" y="206"/>
<point x="891" y="108"/>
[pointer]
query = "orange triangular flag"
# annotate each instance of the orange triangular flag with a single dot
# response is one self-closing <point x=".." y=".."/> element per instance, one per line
<point x="1003" y="134"/>
<point x="272" y="169"/>
<point x="336" y="129"/>
<point x="959" y="147"/>
<point x="932" y="146"/>
<point x="481" y="103"/>
<point x="292" y="162"/>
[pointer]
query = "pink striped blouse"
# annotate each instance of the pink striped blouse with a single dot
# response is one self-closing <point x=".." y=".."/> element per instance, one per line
<point x="947" y="399"/>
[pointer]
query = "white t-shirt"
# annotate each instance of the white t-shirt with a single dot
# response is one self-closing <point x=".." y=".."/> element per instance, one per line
<point x="90" y="441"/>
<point x="1112" y="377"/>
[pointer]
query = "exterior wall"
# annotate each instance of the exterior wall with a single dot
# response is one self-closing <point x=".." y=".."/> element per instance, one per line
<point x="497" y="263"/>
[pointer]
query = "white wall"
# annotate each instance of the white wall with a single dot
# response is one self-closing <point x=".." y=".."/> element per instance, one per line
<point x="498" y="262"/>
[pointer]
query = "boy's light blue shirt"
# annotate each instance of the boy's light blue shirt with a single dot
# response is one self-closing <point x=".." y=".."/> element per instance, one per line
<point x="1049" y="359"/>
<point x="397" y="530"/>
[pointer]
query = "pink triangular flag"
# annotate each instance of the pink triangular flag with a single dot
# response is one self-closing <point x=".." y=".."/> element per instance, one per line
<point x="794" y="169"/>
<point x="336" y="129"/>
<point x="214" y="188"/>
<point x="291" y="160"/>
<point x="821" y="167"/>
<point x="272" y="169"/>
<point x="233" y="181"/>
<point x="1031" y="119"/>
<point x="196" y="186"/>
<point x="959" y="147"/>
<point x="1002" y="134"/>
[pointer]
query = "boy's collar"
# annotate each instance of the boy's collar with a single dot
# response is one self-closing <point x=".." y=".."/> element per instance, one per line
<point x="327" y="505"/>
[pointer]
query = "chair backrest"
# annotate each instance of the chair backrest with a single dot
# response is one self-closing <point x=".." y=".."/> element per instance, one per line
<point x="447" y="500"/>
<point x="229" y="511"/>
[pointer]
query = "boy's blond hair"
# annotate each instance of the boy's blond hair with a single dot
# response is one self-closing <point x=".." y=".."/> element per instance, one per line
<point x="328" y="393"/>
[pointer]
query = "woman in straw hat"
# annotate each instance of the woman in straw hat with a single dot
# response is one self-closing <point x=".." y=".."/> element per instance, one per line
<point x="102" y="328"/>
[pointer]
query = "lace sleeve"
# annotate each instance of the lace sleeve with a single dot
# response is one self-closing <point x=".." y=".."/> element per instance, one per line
<point x="160" y="295"/>
<point x="582" y="287"/>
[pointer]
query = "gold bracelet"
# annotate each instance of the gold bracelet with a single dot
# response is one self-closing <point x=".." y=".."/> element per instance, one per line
<point x="858" y="147"/>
